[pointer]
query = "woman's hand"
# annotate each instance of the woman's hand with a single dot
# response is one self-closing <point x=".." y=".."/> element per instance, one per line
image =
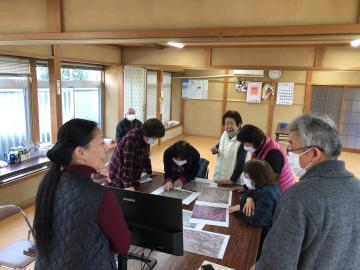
<point x="225" y="182"/>
<point x="130" y="188"/>
<point x="177" y="184"/>
<point x="249" y="207"/>
<point x="100" y="178"/>
<point x="238" y="189"/>
<point x="234" y="208"/>
<point x="168" y="185"/>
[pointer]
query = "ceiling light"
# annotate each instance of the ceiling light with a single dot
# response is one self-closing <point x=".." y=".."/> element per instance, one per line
<point x="176" y="44"/>
<point x="355" y="43"/>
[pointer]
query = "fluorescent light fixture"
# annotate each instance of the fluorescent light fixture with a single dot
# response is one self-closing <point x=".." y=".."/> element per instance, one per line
<point x="176" y="44"/>
<point x="355" y="43"/>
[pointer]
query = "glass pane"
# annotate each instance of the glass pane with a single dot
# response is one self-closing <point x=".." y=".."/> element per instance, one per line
<point x="81" y="94"/>
<point x="42" y="74"/>
<point x="14" y="104"/>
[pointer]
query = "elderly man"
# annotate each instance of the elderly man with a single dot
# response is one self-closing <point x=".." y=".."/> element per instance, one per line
<point x="317" y="221"/>
<point x="128" y="123"/>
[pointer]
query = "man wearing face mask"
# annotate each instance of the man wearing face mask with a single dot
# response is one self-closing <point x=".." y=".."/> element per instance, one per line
<point x="316" y="223"/>
<point x="181" y="163"/>
<point x="265" y="148"/>
<point x="132" y="154"/>
<point x="128" y="123"/>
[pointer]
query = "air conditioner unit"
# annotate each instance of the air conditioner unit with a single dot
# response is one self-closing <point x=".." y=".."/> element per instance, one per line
<point x="248" y="73"/>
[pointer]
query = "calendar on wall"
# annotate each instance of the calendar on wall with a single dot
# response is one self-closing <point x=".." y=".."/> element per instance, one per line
<point x="285" y="93"/>
<point x="195" y="89"/>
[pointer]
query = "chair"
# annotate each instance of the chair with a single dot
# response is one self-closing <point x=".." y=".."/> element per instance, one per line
<point x="12" y="256"/>
<point x="203" y="170"/>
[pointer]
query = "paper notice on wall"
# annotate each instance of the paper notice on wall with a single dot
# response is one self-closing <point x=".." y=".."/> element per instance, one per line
<point x="254" y="92"/>
<point x="285" y="93"/>
<point x="195" y="89"/>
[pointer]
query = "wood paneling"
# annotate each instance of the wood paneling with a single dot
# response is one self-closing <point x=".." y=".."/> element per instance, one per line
<point x="34" y="103"/>
<point x="54" y="15"/>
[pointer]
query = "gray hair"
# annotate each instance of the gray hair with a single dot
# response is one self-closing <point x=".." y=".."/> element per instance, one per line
<point x="319" y="130"/>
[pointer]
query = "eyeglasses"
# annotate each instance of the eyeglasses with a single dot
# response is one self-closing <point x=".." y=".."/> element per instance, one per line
<point x="288" y="149"/>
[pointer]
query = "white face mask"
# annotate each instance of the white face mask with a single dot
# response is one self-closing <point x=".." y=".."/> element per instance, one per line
<point x="130" y="117"/>
<point x="150" y="141"/>
<point x="179" y="162"/>
<point x="231" y="133"/>
<point x="247" y="182"/>
<point x="294" y="162"/>
<point x="250" y="149"/>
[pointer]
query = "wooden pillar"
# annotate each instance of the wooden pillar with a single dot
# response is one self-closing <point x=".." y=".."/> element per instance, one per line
<point x="34" y="102"/>
<point x="225" y="94"/>
<point x="55" y="92"/>
<point x="271" y="109"/>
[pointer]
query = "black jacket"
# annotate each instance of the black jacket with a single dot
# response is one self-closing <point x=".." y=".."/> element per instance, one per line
<point x="124" y="126"/>
<point x="190" y="168"/>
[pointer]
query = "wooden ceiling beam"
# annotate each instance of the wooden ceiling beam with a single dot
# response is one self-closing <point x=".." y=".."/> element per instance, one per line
<point x="301" y="30"/>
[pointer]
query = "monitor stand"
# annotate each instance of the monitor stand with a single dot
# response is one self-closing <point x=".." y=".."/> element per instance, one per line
<point x="123" y="260"/>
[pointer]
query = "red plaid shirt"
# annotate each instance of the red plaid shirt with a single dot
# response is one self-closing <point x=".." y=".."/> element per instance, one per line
<point x="130" y="157"/>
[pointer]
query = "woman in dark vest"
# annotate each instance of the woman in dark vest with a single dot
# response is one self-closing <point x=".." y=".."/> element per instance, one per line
<point x="262" y="147"/>
<point x="78" y="224"/>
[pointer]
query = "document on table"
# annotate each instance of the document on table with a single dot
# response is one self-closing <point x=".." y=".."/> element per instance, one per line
<point x="186" y="221"/>
<point x="187" y="197"/>
<point x="205" y="243"/>
<point x="212" y="215"/>
<point x="214" y="196"/>
<point x="216" y="266"/>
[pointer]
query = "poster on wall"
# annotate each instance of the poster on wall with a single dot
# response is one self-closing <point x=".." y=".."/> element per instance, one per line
<point x="195" y="89"/>
<point x="254" y="92"/>
<point x="285" y="93"/>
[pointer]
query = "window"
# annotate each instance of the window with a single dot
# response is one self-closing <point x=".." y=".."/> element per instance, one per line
<point x="151" y="94"/>
<point x="134" y="91"/>
<point x="42" y="73"/>
<point x="15" y="120"/>
<point x="342" y="104"/>
<point x="81" y="92"/>
<point x="166" y="97"/>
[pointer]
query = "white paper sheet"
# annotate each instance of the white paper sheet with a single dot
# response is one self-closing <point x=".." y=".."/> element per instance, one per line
<point x="191" y="196"/>
<point x="211" y="215"/>
<point x="209" y="197"/>
<point x="216" y="266"/>
<point x="186" y="221"/>
<point x="205" y="243"/>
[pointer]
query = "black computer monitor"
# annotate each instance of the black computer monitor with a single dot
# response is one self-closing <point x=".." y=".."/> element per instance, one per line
<point x="155" y="221"/>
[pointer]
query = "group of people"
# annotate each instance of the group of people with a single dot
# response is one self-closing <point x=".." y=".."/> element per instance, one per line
<point x="310" y="224"/>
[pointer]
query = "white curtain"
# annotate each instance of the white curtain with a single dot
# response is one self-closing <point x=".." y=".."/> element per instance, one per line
<point x="134" y="90"/>
<point x="166" y="97"/>
<point x="151" y="90"/>
<point x="15" y="125"/>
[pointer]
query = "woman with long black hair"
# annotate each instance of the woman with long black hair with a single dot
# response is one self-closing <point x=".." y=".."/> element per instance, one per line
<point x="78" y="224"/>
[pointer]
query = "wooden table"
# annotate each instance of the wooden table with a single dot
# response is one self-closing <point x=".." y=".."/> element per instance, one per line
<point x="241" y="250"/>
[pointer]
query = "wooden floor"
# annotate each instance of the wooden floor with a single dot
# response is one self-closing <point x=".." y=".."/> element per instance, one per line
<point x="14" y="227"/>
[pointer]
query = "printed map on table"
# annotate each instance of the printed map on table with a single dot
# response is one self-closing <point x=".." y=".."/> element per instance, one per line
<point x="205" y="243"/>
<point x="211" y="215"/>
<point x="186" y="196"/>
<point x="214" y="196"/>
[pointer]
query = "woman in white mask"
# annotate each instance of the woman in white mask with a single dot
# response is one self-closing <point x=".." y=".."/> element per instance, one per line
<point x="257" y="206"/>
<point x="230" y="152"/>
<point x="262" y="147"/>
<point x="181" y="163"/>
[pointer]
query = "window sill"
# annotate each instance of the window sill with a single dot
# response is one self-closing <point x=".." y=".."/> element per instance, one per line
<point x="172" y="126"/>
<point x="19" y="171"/>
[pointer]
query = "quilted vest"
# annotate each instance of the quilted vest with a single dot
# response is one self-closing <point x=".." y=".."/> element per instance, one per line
<point x="287" y="177"/>
<point x="78" y="242"/>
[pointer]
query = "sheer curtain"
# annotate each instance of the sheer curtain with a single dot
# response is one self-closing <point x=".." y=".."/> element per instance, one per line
<point x="134" y="90"/>
<point x="166" y="97"/>
<point x="151" y="90"/>
<point x="15" y="124"/>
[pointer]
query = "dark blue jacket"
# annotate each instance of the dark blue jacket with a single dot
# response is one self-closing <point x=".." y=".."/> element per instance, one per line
<point x="124" y="126"/>
<point x="266" y="199"/>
